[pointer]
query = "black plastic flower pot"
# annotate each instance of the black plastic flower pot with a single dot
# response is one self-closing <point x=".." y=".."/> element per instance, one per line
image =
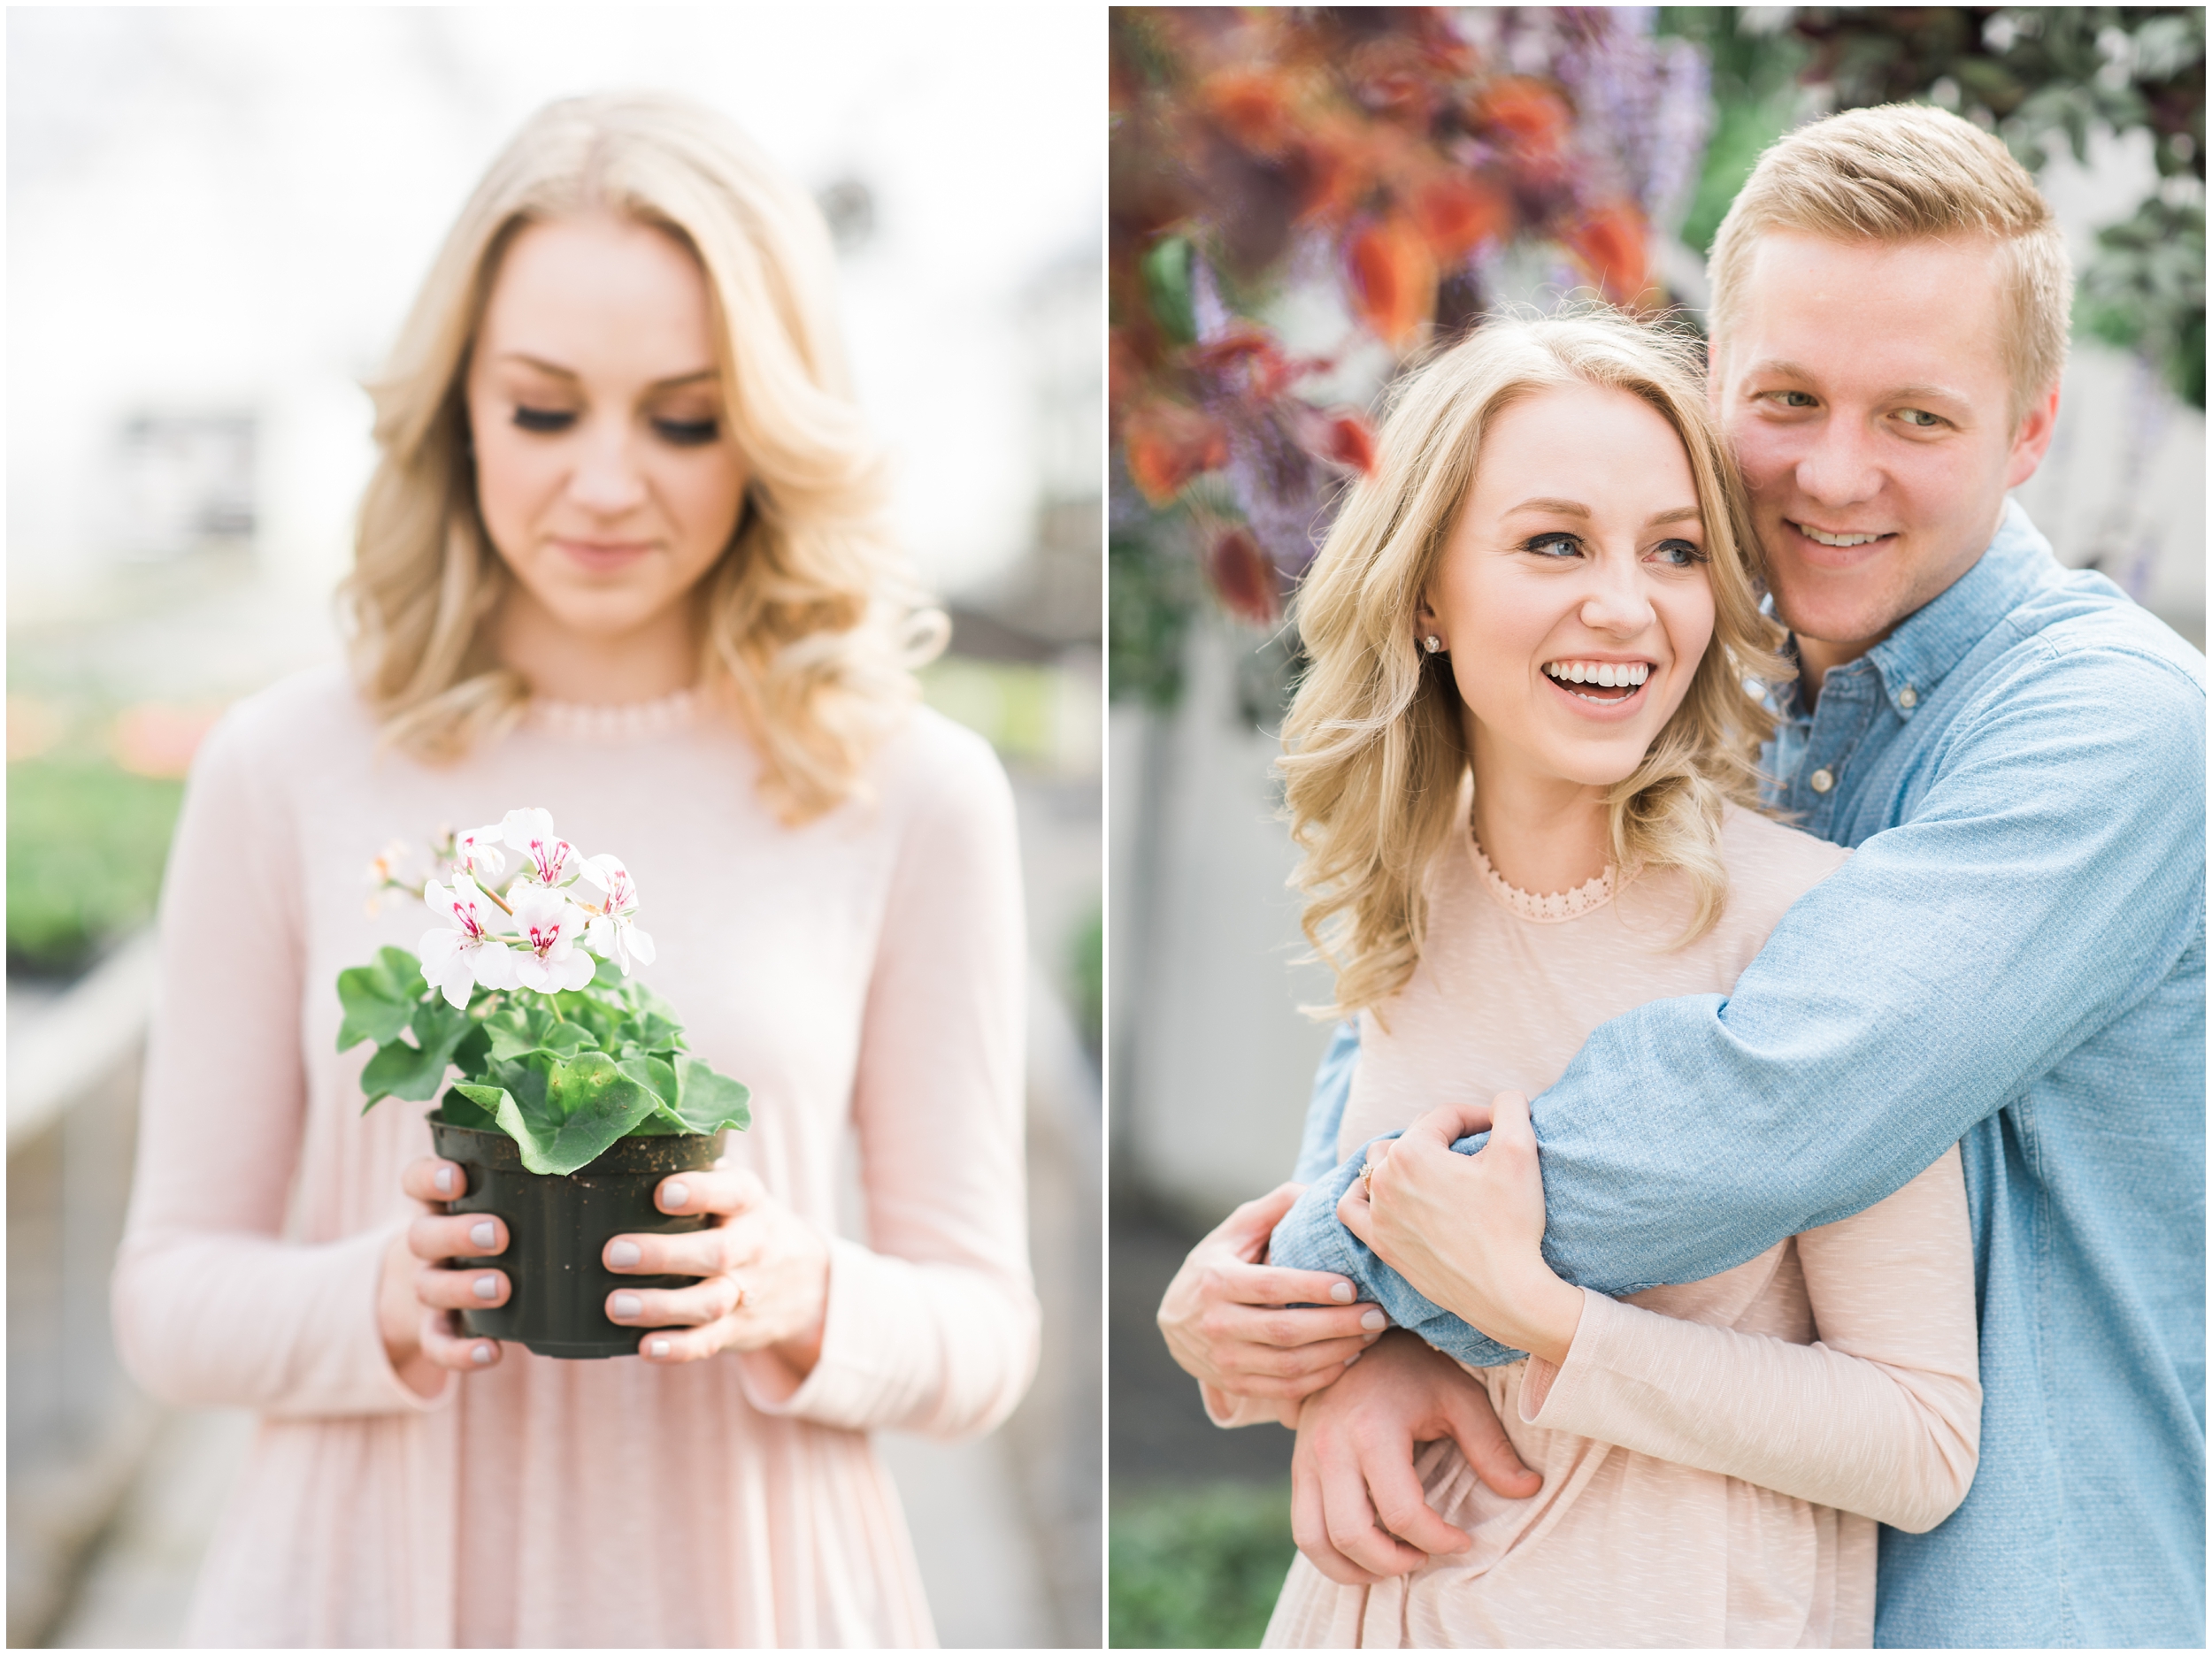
<point x="559" y="1227"/>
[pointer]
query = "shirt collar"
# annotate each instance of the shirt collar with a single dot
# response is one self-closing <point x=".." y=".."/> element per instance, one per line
<point x="1936" y="637"/>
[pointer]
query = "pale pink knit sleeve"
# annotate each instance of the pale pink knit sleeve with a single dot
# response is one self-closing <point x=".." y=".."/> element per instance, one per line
<point x="1881" y="1416"/>
<point x="212" y="1306"/>
<point x="933" y="1326"/>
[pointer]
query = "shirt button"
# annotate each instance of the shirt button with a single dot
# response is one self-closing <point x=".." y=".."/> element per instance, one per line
<point x="1822" y="781"/>
<point x="1909" y="698"/>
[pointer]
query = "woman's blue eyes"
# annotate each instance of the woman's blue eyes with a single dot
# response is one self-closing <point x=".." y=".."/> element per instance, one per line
<point x="685" y="433"/>
<point x="1558" y="548"/>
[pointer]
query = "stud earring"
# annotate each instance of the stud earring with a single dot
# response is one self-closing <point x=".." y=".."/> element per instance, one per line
<point x="1431" y="643"/>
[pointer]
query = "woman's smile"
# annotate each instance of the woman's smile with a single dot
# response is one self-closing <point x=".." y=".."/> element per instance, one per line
<point x="1603" y="686"/>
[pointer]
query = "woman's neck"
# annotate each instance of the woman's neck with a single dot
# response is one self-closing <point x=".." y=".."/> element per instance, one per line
<point x="1543" y="834"/>
<point x="656" y="659"/>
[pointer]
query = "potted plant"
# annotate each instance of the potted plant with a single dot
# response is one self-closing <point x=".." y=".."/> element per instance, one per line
<point x="575" y="1095"/>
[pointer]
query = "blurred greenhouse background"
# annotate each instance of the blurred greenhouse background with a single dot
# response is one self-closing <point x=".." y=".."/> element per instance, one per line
<point x="1296" y="201"/>
<point x="217" y="218"/>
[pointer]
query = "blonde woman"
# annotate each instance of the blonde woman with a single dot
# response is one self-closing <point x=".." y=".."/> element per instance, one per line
<point x="622" y="559"/>
<point x="1521" y="770"/>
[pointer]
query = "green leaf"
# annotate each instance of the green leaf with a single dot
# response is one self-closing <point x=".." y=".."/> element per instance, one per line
<point x="380" y="999"/>
<point x="708" y="1101"/>
<point x="584" y="1107"/>
<point x="459" y="1109"/>
<point x="401" y="1070"/>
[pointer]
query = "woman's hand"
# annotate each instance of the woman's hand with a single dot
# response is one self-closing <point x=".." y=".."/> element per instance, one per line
<point x="1224" y="1319"/>
<point x="1356" y="1508"/>
<point x="1468" y="1231"/>
<point x="416" y="1297"/>
<point x="767" y="1278"/>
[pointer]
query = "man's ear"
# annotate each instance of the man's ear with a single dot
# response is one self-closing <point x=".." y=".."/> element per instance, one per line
<point x="2032" y="440"/>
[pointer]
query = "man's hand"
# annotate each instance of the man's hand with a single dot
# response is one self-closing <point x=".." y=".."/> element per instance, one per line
<point x="1223" y="1315"/>
<point x="1355" y="1505"/>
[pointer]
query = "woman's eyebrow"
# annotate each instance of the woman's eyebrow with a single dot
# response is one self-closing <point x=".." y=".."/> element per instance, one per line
<point x="1576" y="508"/>
<point x="559" y="372"/>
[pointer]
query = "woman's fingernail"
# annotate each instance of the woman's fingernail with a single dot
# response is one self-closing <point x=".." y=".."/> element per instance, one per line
<point x="1342" y="1292"/>
<point x="660" y="1347"/>
<point x="622" y="1254"/>
<point x="625" y="1306"/>
<point x="1374" y="1321"/>
<point x="1354" y="1357"/>
<point x="442" y="1180"/>
<point x="482" y="1235"/>
<point x="487" y="1287"/>
<point x="675" y="1194"/>
<point x="481" y="1355"/>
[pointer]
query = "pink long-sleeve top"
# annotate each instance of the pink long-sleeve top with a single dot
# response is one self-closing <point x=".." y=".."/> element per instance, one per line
<point x="862" y="974"/>
<point x="1716" y="1454"/>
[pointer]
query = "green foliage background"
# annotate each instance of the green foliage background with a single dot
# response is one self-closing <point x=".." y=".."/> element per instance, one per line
<point x="1197" y="1567"/>
<point x="85" y="847"/>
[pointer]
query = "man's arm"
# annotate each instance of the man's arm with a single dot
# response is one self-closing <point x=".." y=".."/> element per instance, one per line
<point x="2052" y="872"/>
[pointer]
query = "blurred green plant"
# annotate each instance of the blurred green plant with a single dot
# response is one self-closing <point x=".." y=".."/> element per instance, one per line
<point x="1087" y="979"/>
<point x="87" y="843"/>
<point x="1197" y="1568"/>
<point x="1011" y="704"/>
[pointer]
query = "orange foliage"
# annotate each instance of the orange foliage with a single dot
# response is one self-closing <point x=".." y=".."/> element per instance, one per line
<point x="1530" y="112"/>
<point x="1243" y="578"/>
<point x="1612" y="246"/>
<point x="1393" y="279"/>
<point x="1167" y="445"/>
<point x="1253" y="106"/>
<point x="1458" y="213"/>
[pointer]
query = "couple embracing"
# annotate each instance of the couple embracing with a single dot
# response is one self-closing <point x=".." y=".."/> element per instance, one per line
<point x="1760" y="1198"/>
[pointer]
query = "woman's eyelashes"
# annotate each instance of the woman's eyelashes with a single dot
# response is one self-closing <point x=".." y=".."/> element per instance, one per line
<point x="543" y="420"/>
<point x="682" y="433"/>
<point x="1558" y="547"/>
<point x="688" y="434"/>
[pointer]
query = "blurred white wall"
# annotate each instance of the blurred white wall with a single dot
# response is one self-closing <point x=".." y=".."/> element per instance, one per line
<point x="227" y="210"/>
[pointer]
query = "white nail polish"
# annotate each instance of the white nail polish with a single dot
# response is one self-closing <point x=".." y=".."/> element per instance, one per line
<point x="1342" y="1292"/>
<point x="481" y="1355"/>
<point x="622" y="1254"/>
<point x="442" y="1180"/>
<point x="1354" y="1357"/>
<point x="487" y="1287"/>
<point x="625" y="1306"/>
<point x="1374" y="1321"/>
<point x="676" y="1194"/>
<point x="660" y="1347"/>
<point x="482" y="1235"/>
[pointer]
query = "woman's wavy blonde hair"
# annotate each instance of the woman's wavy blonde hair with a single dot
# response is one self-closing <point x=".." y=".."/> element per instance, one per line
<point x="1374" y="753"/>
<point x="812" y="624"/>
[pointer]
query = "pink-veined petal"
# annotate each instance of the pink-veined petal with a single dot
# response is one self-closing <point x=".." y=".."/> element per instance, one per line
<point x="493" y="963"/>
<point x="436" y="948"/>
<point x="454" y="980"/>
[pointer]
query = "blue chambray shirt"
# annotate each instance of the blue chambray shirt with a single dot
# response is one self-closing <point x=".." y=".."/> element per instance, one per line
<point x="2013" y="960"/>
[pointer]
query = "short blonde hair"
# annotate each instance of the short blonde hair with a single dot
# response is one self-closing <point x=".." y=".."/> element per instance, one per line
<point x="1901" y="172"/>
<point x="812" y="622"/>
<point x="1374" y="753"/>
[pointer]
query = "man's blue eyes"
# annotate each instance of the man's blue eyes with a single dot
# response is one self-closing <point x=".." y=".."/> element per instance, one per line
<point x="685" y="433"/>
<point x="1677" y="554"/>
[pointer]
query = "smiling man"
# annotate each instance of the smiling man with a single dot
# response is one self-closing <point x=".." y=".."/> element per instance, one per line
<point x="2013" y="959"/>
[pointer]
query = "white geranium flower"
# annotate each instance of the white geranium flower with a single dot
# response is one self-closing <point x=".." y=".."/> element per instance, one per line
<point x="547" y="925"/>
<point x="465" y="951"/>
<point x="477" y="853"/>
<point x="552" y="859"/>
<point x="611" y="931"/>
